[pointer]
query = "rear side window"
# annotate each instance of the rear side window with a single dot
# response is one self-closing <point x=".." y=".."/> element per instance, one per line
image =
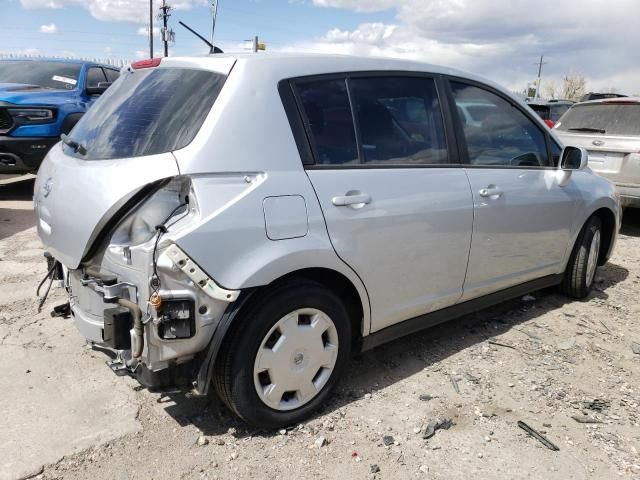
<point x="503" y="135"/>
<point x="329" y="121"/>
<point x="611" y="118"/>
<point x="400" y="120"/>
<point x="147" y="112"/>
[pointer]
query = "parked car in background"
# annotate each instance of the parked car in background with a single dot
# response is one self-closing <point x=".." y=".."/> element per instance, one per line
<point x="41" y="99"/>
<point x="366" y="207"/>
<point x="610" y="130"/>
<point x="600" y="96"/>
<point x="550" y="110"/>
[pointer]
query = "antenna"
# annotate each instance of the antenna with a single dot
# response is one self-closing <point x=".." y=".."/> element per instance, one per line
<point x="212" y="47"/>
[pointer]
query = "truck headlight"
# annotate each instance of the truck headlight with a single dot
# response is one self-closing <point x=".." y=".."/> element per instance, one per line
<point x="32" y="115"/>
<point x="160" y="208"/>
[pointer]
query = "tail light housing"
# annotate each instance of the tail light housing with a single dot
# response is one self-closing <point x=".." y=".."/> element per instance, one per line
<point x="148" y="63"/>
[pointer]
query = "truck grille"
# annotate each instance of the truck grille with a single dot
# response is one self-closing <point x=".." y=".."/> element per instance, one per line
<point x="6" y="122"/>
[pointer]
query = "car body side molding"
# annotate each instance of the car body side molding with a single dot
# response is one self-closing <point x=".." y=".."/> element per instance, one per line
<point x="423" y="322"/>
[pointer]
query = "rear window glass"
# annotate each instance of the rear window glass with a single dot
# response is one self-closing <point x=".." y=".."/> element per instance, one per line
<point x="147" y="112"/>
<point x="541" y="110"/>
<point x="606" y="118"/>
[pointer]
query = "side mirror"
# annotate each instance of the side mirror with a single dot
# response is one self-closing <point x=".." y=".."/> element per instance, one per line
<point x="99" y="89"/>
<point x="573" y="158"/>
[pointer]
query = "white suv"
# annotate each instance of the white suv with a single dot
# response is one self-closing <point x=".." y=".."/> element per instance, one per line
<point x="250" y="221"/>
<point x="610" y="130"/>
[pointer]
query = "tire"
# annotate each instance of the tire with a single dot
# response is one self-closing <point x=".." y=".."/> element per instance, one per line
<point x="276" y="345"/>
<point x="581" y="269"/>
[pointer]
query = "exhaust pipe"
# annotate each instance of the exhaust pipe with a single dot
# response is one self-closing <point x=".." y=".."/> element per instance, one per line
<point x="138" y="327"/>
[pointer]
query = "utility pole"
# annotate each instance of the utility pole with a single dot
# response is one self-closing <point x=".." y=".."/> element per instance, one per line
<point x="167" y="35"/>
<point x="255" y="44"/>
<point x="540" y="63"/>
<point x="150" y="28"/>
<point x="214" y="15"/>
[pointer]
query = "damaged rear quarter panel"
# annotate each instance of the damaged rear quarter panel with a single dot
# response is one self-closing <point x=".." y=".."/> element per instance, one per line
<point x="247" y="134"/>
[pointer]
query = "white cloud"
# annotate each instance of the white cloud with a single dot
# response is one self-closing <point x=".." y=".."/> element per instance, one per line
<point x="51" y="28"/>
<point x="144" y="31"/>
<point x="500" y="39"/>
<point x="358" y="5"/>
<point x="136" y="11"/>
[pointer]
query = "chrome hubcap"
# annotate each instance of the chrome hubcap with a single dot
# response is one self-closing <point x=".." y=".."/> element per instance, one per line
<point x="295" y="359"/>
<point x="592" y="260"/>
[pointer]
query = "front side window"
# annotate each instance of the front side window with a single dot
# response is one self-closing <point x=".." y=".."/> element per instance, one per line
<point x="502" y="135"/>
<point x="95" y="76"/>
<point x="400" y="121"/>
<point x="112" y="75"/>
<point x="147" y="112"/>
<point x="329" y="121"/>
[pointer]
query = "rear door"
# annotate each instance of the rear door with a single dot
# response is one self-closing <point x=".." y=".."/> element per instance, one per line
<point x="397" y="204"/>
<point x="522" y="217"/>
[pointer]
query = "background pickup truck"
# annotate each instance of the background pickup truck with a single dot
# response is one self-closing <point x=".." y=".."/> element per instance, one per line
<point x="41" y="99"/>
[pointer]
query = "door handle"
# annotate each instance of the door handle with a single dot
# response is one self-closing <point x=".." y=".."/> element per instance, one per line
<point x="354" y="199"/>
<point x="490" y="191"/>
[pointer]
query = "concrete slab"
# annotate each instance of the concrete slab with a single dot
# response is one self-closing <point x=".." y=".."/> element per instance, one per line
<point x="56" y="396"/>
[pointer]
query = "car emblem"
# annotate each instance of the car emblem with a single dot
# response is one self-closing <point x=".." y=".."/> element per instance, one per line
<point x="47" y="187"/>
<point x="598" y="143"/>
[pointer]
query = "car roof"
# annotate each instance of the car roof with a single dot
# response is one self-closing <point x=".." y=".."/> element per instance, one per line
<point x="547" y="103"/>
<point x="616" y="100"/>
<point x="289" y="65"/>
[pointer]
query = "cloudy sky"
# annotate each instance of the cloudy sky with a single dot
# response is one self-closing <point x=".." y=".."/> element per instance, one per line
<point x="500" y="39"/>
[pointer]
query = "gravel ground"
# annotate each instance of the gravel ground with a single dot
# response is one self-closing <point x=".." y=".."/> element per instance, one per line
<point x="541" y="360"/>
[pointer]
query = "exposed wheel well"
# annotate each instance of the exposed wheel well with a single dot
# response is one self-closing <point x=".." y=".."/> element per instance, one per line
<point x="608" y="220"/>
<point x="341" y="286"/>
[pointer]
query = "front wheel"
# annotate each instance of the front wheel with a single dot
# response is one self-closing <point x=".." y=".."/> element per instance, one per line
<point x="285" y="355"/>
<point x="583" y="263"/>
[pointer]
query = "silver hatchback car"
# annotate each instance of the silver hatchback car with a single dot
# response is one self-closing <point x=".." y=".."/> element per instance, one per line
<point x="249" y="221"/>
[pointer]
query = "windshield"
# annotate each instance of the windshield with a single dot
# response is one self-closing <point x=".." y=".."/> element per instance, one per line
<point x="615" y="118"/>
<point x="146" y="112"/>
<point x="57" y="75"/>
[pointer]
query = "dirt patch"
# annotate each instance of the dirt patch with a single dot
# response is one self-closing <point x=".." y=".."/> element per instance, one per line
<point x="542" y="361"/>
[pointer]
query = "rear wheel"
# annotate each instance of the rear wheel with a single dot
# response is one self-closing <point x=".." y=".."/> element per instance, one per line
<point x="285" y="356"/>
<point x="583" y="263"/>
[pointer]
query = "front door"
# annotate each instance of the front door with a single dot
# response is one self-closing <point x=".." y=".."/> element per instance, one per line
<point x="522" y="216"/>
<point x="397" y="210"/>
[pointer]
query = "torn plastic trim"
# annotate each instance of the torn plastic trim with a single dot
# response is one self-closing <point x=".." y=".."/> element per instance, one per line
<point x="198" y="276"/>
